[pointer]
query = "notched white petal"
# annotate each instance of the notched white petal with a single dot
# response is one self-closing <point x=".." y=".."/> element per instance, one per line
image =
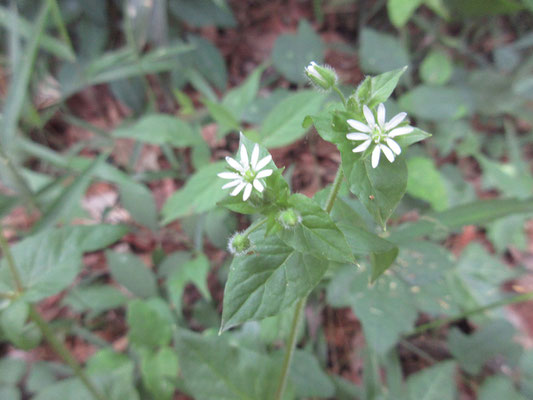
<point x="238" y="189"/>
<point x="258" y="185"/>
<point x="255" y="156"/>
<point x="234" y="164"/>
<point x="388" y="152"/>
<point x="393" y="145"/>
<point x="369" y="116"/>
<point x="395" y="121"/>
<point x="375" y="156"/>
<point x="244" y="157"/>
<point x="404" y="130"/>
<point x="357" y="136"/>
<point x="264" y="174"/>
<point x="362" y="147"/>
<point x="381" y="115"/>
<point x="228" y="175"/>
<point x="263" y="162"/>
<point x="231" y="184"/>
<point x="247" y="191"/>
<point x="357" y="125"/>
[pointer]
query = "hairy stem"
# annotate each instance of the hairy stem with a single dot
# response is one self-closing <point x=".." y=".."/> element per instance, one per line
<point x="300" y="306"/>
<point x="291" y="345"/>
<point x="338" y="91"/>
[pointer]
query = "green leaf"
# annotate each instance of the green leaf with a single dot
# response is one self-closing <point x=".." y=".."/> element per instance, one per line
<point x="140" y="203"/>
<point x="160" y="129"/>
<point x="377" y="89"/>
<point x="379" y="189"/>
<point x="436" y="103"/>
<point x="252" y="376"/>
<point x="208" y="61"/>
<point x="381" y="52"/>
<point x="96" y="237"/>
<point x="385" y="308"/>
<point x="479" y="8"/>
<point x="67" y="388"/>
<point x="238" y="99"/>
<point x="493" y="339"/>
<point x="401" y="10"/>
<point x="159" y="371"/>
<point x="271" y="279"/>
<point x="426" y="183"/>
<point x="194" y="271"/>
<point x="95" y="298"/>
<point x="476" y="213"/>
<point x="223" y="116"/>
<point x="200" y="194"/>
<point x="434" y="383"/>
<point x="317" y="234"/>
<point x="437" y="68"/>
<point x="283" y="125"/>
<point x="41" y="375"/>
<point x="11" y="371"/>
<point x="499" y="387"/>
<point x="508" y="232"/>
<point x="13" y="320"/>
<point x="148" y="326"/>
<point x="10" y="393"/>
<point x="47" y="263"/>
<point x="132" y="273"/>
<point x="292" y="53"/>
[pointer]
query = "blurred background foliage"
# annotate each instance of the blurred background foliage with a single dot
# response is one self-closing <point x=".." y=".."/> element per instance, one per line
<point x="113" y="113"/>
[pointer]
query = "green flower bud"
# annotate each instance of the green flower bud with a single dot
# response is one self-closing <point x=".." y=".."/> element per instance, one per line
<point x="322" y="77"/>
<point x="239" y="244"/>
<point x="289" y="218"/>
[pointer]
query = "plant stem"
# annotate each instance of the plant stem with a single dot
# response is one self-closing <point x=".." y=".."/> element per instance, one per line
<point x="500" y="303"/>
<point x="6" y="251"/>
<point x="300" y="306"/>
<point x="63" y="352"/>
<point x="338" y="91"/>
<point x="334" y="190"/>
<point x="291" y="345"/>
<point x="253" y="228"/>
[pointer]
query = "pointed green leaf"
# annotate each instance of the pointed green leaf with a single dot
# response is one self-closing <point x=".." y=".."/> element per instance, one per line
<point x="434" y="383"/>
<point x="269" y="280"/>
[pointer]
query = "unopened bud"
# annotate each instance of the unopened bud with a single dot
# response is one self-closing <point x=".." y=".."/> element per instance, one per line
<point x="321" y="76"/>
<point x="239" y="244"/>
<point x="289" y="218"/>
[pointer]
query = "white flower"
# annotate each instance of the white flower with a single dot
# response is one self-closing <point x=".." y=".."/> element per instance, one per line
<point x="248" y="175"/>
<point x="380" y="133"/>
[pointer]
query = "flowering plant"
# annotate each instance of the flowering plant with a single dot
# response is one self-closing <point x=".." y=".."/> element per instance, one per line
<point x="285" y="253"/>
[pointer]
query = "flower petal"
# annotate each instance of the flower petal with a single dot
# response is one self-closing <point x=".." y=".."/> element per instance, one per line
<point x="357" y="125"/>
<point x="255" y="156"/>
<point x="247" y="192"/>
<point x="238" y="189"/>
<point x="244" y="157"/>
<point x="231" y="184"/>
<point x="228" y="175"/>
<point x="258" y="185"/>
<point x="358" y="136"/>
<point x="234" y="164"/>
<point x="404" y="130"/>
<point x="395" y="121"/>
<point x="381" y="115"/>
<point x="375" y="156"/>
<point x="262" y="163"/>
<point x="369" y="116"/>
<point x="393" y="146"/>
<point x="263" y="174"/>
<point x="362" y="147"/>
<point x="388" y="152"/>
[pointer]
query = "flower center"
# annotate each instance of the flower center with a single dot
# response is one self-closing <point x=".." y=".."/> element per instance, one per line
<point x="376" y="134"/>
<point x="249" y="175"/>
